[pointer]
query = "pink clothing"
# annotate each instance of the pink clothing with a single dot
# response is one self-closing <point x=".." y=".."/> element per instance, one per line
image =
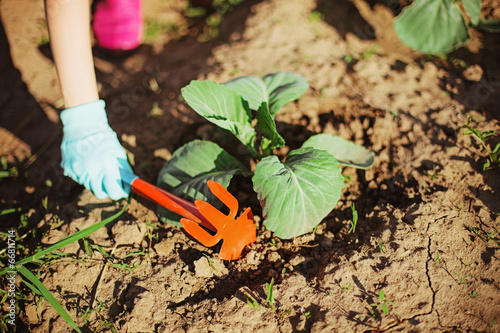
<point x="118" y="24"/>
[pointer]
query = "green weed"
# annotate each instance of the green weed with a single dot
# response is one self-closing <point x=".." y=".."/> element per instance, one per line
<point x="348" y="58"/>
<point x="5" y="171"/>
<point x="462" y="279"/>
<point x="494" y="155"/>
<point x="273" y="242"/>
<point x="270" y="297"/>
<point x="251" y="302"/>
<point x="438" y="257"/>
<point x="486" y="236"/>
<point x="382" y="303"/>
<point x="30" y="280"/>
<point x="210" y="262"/>
<point x="368" y="53"/>
<point x="315" y="17"/>
<point x="380" y="246"/>
<point x="354" y="220"/>
<point x="434" y="173"/>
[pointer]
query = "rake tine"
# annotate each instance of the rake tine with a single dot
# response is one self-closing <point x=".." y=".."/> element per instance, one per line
<point x="199" y="233"/>
<point x="223" y="195"/>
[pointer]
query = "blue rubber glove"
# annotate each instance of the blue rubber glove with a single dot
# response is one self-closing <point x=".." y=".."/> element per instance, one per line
<point x="91" y="153"/>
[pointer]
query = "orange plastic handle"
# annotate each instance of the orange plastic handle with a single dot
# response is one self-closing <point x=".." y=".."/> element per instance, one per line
<point x="170" y="202"/>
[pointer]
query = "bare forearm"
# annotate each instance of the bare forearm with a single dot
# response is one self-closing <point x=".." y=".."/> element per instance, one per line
<point x="69" y="28"/>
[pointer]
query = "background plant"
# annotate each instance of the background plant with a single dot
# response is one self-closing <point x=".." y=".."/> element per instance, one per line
<point x="493" y="154"/>
<point x="435" y="26"/>
<point x="296" y="193"/>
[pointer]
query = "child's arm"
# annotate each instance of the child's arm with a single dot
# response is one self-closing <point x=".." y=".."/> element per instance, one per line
<point x="91" y="153"/>
<point x="69" y="28"/>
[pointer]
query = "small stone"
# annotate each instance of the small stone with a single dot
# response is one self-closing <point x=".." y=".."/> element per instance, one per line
<point x="473" y="73"/>
<point x="327" y="243"/>
<point x="253" y="258"/>
<point x="297" y="260"/>
<point x="273" y="256"/>
<point x="202" y="268"/>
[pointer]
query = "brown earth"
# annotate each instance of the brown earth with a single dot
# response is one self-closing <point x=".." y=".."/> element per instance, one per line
<point x="428" y="214"/>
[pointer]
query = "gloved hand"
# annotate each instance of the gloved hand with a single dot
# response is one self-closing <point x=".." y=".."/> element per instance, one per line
<point x="91" y="153"/>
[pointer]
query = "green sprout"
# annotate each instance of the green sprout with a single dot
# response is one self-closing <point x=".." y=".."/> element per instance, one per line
<point x="383" y="303"/>
<point x="354" y="220"/>
<point x="270" y="297"/>
<point x="494" y="155"/>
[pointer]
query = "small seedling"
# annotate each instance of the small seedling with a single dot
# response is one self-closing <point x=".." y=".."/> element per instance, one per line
<point x="210" y="262"/>
<point x="368" y="53"/>
<point x="461" y="279"/>
<point x="308" y="314"/>
<point x="489" y="236"/>
<point x="473" y="294"/>
<point x="434" y="173"/>
<point x="383" y="303"/>
<point x="485" y="235"/>
<point x="251" y="302"/>
<point x="494" y="155"/>
<point x="45" y="203"/>
<point x="347" y="287"/>
<point x="474" y="230"/>
<point x="270" y="297"/>
<point x="273" y="242"/>
<point x="5" y="171"/>
<point x="284" y="273"/>
<point x="354" y="220"/>
<point x="438" y="257"/>
<point x="155" y="111"/>
<point x="380" y="246"/>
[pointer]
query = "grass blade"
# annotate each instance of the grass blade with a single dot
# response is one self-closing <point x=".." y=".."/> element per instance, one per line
<point x="72" y="238"/>
<point x="48" y="296"/>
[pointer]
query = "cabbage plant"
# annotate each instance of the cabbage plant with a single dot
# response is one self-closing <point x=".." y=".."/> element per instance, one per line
<point x="295" y="193"/>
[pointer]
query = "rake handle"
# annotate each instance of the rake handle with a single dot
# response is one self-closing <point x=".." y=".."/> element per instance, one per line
<point x="166" y="199"/>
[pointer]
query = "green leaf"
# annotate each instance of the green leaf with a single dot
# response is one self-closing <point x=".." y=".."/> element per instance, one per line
<point x="489" y="25"/>
<point x="431" y="26"/>
<point x="275" y="89"/>
<point x="297" y="194"/>
<point x="251" y="88"/>
<point x="187" y="172"/>
<point x="265" y="122"/>
<point x="221" y="106"/>
<point x="88" y="247"/>
<point x="345" y="152"/>
<point x="385" y="309"/>
<point x="48" y="296"/>
<point x="381" y="295"/>
<point x="473" y="9"/>
<point x="283" y="88"/>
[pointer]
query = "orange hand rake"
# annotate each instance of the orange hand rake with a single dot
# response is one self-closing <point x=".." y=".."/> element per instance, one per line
<point x="235" y="233"/>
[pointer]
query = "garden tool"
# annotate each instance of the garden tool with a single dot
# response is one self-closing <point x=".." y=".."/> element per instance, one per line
<point x="235" y="233"/>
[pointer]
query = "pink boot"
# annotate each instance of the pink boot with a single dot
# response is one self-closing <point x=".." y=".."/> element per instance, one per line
<point x="118" y="24"/>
